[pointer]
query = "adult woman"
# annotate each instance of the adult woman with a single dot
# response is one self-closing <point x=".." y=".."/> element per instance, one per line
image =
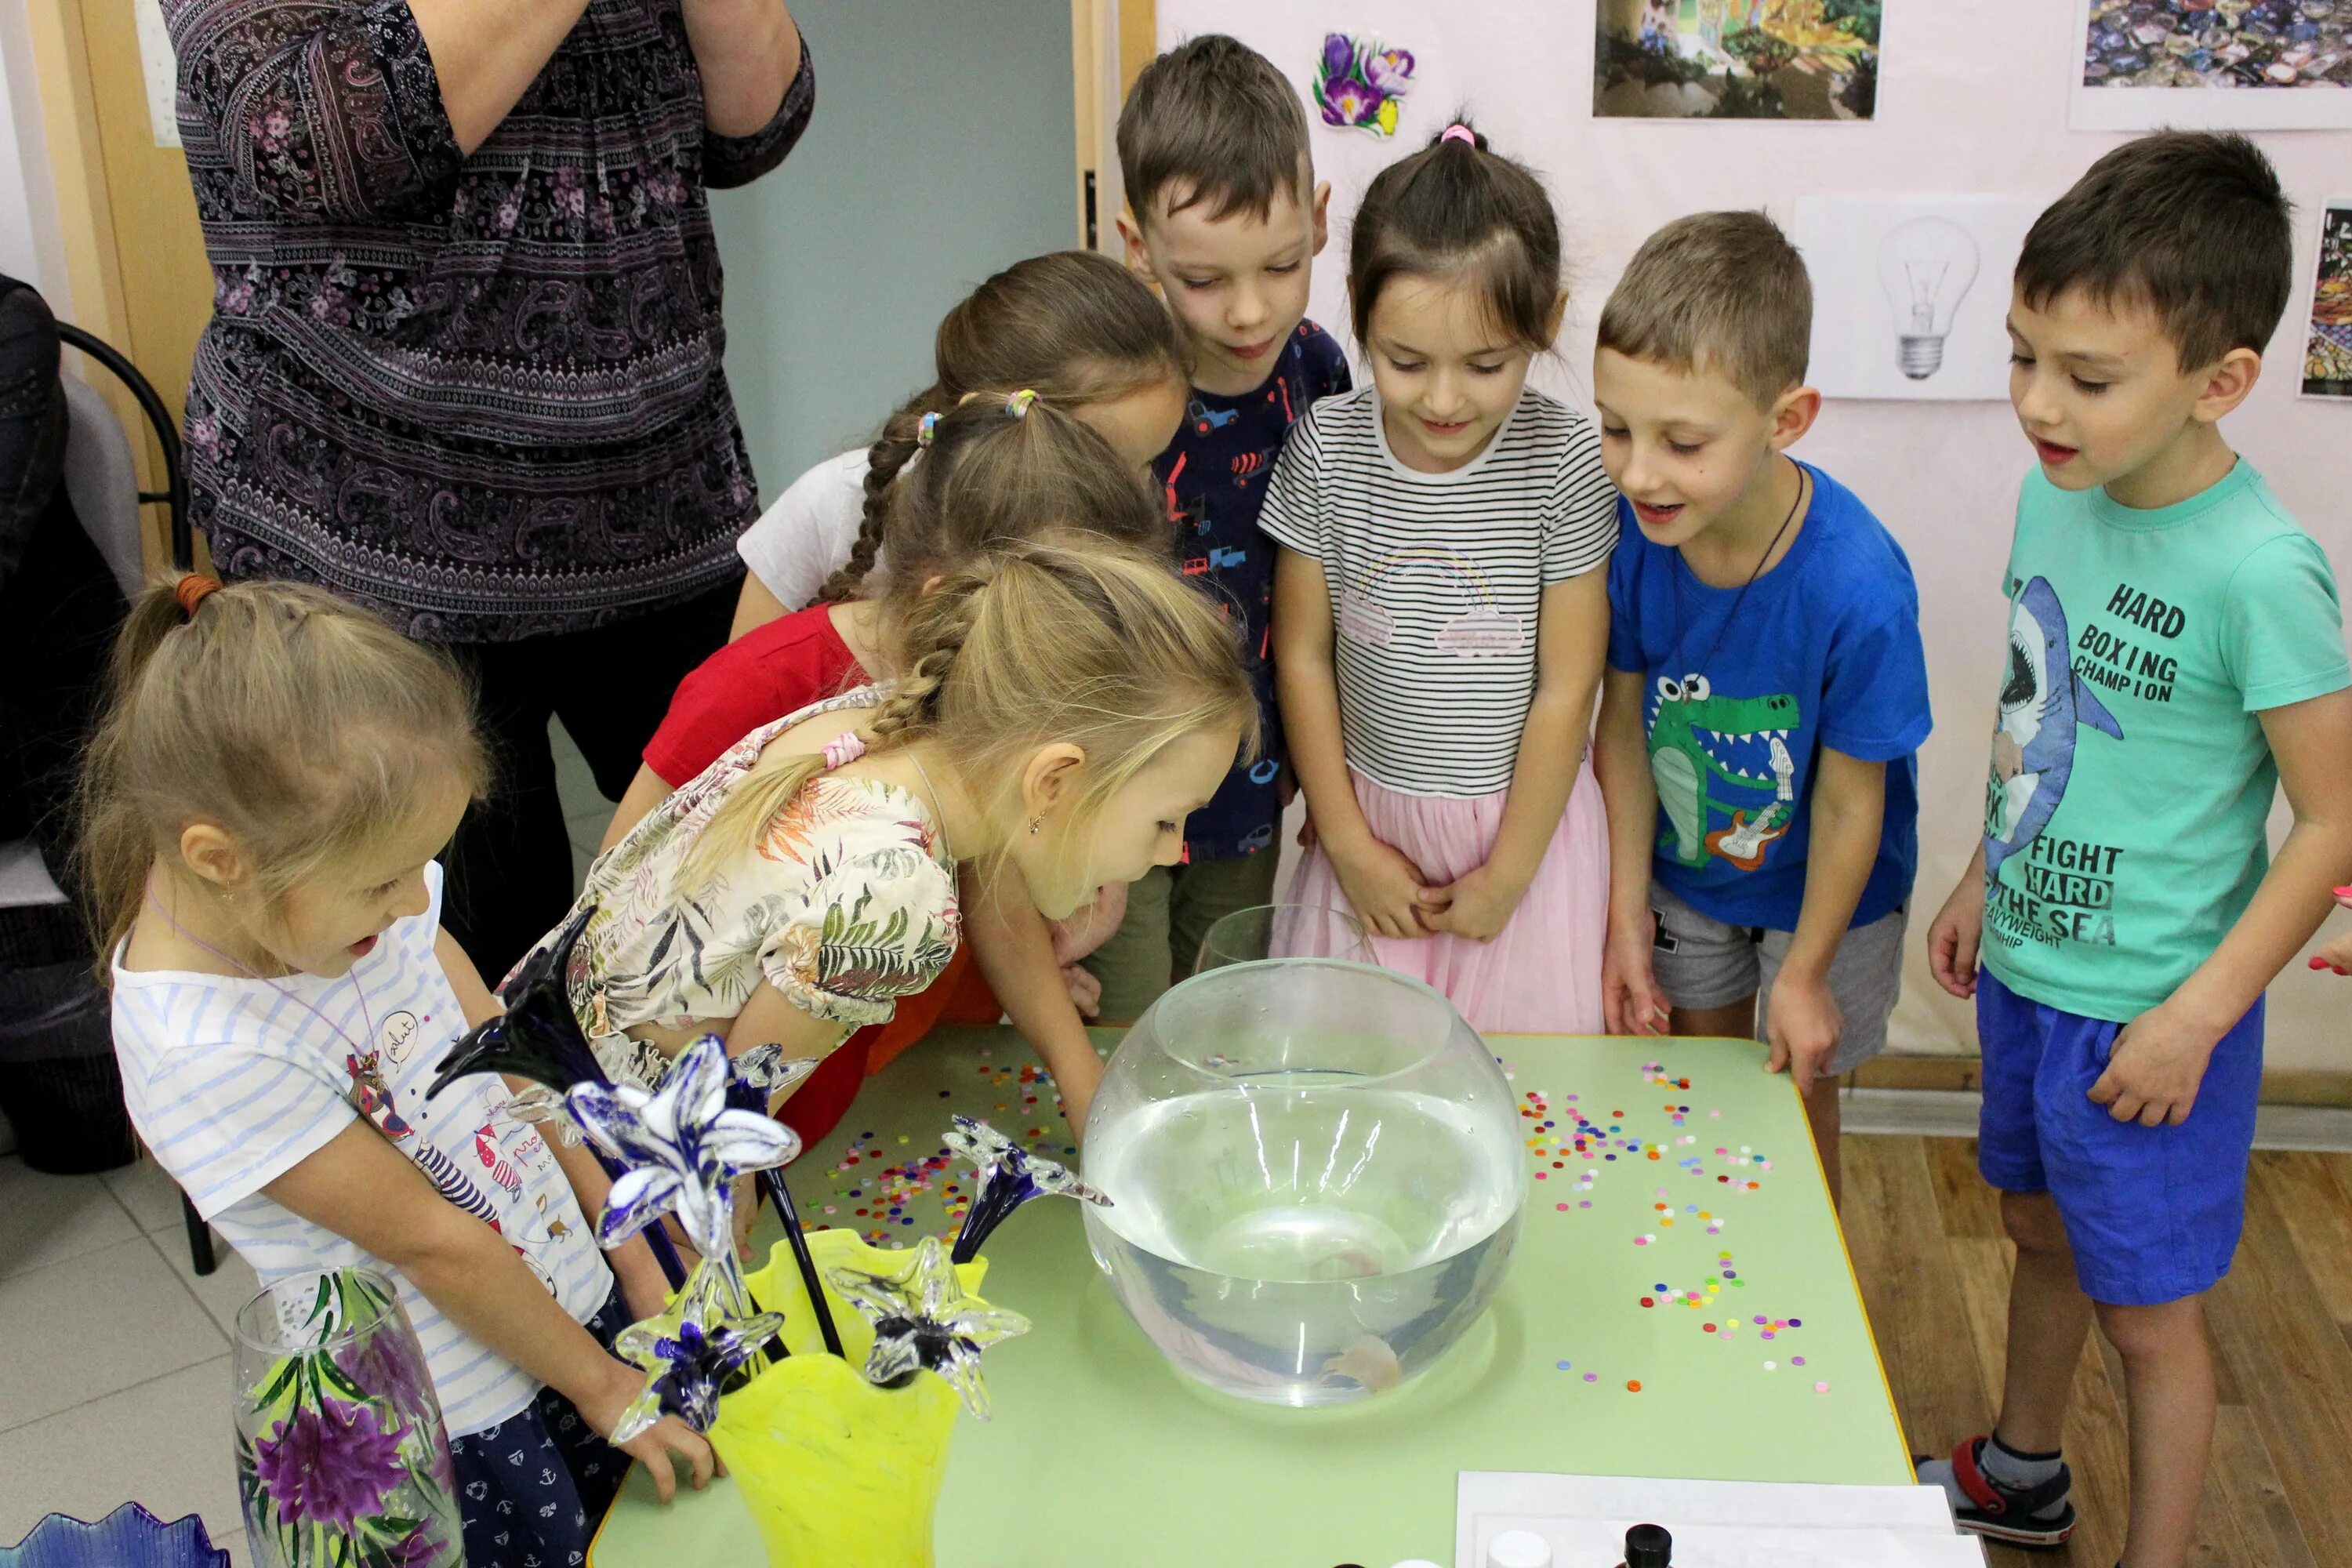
<point x="463" y="364"/>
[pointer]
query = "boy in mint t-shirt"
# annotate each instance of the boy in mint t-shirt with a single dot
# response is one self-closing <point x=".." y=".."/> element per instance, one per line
<point x="2176" y="652"/>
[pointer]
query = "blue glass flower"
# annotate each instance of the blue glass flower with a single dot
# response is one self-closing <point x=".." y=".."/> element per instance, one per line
<point x="1008" y="1177"/>
<point x="761" y="1077"/>
<point x="538" y="1036"/>
<point x="690" y="1352"/>
<point x="679" y="1146"/>
<point x="923" y="1321"/>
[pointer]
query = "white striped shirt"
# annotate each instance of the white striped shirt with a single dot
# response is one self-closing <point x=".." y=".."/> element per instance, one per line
<point x="231" y="1083"/>
<point x="1436" y="580"/>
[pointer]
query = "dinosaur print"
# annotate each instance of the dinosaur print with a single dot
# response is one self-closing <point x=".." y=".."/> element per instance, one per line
<point x="1702" y="748"/>
<point x="2042" y="706"/>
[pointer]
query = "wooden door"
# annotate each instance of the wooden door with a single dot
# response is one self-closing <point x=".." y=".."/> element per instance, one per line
<point x="1110" y="42"/>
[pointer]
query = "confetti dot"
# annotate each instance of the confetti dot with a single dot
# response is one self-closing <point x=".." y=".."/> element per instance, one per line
<point x="1709" y="1327"/>
<point x="1561" y="1365"/>
<point x="1796" y="1360"/>
<point x="1821" y="1388"/>
<point x="1771" y="1366"/>
<point x="1634" y="1387"/>
<point x="1592" y="1377"/>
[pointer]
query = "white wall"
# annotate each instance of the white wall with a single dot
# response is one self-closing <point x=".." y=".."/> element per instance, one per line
<point x="1972" y="99"/>
<point x="28" y="241"/>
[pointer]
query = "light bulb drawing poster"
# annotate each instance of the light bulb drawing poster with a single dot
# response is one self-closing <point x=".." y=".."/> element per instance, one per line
<point x="1910" y="292"/>
<point x="1736" y="60"/>
<point x="2327" y="340"/>
<point x="2250" y="65"/>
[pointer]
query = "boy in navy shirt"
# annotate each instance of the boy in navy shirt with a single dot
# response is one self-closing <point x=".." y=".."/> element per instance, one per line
<point x="1765" y="692"/>
<point x="1223" y="215"/>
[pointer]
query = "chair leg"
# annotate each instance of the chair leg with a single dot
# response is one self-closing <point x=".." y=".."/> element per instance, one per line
<point x="200" y="1238"/>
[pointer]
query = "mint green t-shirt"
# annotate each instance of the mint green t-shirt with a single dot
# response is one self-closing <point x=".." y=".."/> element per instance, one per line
<point x="2130" y="782"/>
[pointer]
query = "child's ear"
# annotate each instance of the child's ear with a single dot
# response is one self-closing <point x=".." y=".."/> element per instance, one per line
<point x="1552" y="320"/>
<point x="1322" y="217"/>
<point x="211" y="854"/>
<point x="1139" y="258"/>
<point x="1793" y="413"/>
<point x="1050" y="778"/>
<point x="2228" y="383"/>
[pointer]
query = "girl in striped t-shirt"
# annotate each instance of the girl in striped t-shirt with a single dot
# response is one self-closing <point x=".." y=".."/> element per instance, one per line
<point x="261" y="811"/>
<point x="1439" y="624"/>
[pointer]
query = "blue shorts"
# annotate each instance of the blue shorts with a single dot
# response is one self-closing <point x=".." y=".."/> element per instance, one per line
<point x="2152" y="1213"/>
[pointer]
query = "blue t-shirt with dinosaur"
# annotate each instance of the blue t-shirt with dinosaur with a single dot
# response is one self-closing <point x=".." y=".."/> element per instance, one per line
<point x="1212" y="477"/>
<point x="1823" y="651"/>
<point x="2131" y="777"/>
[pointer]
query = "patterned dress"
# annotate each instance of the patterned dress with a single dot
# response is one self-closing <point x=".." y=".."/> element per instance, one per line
<point x="480" y="394"/>
<point x="845" y="903"/>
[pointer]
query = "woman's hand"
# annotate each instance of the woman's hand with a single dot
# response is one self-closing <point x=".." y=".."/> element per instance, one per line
<point x="1388" y="892"/>
<point x="660" y="1446"/>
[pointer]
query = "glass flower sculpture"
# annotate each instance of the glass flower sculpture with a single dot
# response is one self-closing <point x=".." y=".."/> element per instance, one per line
<point x="690" y="1352"/>
<point x="923" y="1321"/>
<point x="1008" y="1177"/>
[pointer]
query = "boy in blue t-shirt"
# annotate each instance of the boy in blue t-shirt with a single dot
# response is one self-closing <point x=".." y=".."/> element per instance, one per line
<point x="2175" y="654"/>
<point x="1766" y="690"/>
<point x="1223" y="215"/>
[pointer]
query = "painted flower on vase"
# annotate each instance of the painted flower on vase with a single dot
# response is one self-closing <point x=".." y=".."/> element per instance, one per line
<point x="1360" y="84"/>
<point x="332" y="1464"/>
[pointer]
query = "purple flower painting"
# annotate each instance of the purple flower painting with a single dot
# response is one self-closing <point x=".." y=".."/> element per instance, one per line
<point x="328" y="1465"/>
<point x="1360" y="84"/>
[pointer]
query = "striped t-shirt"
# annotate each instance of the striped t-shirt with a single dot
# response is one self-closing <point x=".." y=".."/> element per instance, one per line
<point x="232" y="1083"/>
<point x="1436" y="580"/>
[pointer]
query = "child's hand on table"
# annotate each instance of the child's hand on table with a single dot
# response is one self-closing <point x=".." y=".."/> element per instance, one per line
<point x="1804" y="1024"/>
<point x="1390" y="895"/>
<point x="1630" y="1002"/>
<point x="1478" y="905"/>
<point x="657" y="1447"/>
<point x="2156" y="1066"/>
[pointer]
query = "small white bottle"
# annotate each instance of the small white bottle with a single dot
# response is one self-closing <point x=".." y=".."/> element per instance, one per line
<point x="1518" y="1548"/>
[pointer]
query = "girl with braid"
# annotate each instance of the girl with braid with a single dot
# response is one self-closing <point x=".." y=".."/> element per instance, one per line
<point x="1079" y="329"/>
<point x="996" y="468"/>
<point x="1060" y="708"/>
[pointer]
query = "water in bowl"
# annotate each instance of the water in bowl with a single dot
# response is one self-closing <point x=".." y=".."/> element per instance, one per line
<point x="1303" y="1246"/>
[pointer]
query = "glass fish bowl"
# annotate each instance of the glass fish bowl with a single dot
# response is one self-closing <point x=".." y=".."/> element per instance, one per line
<point x="1315" y="1177"/>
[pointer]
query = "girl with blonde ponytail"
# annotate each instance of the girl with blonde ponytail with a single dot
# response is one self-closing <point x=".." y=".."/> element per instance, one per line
<point x="1060" y="709"/>
<point x="260" y="810"/>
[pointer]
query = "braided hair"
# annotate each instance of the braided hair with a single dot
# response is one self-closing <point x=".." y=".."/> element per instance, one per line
<point x="1074" y="326"/>
<point x="1027" y="644"/>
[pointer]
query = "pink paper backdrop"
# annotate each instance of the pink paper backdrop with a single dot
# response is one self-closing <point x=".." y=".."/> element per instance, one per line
<point x="1972" y="99"/>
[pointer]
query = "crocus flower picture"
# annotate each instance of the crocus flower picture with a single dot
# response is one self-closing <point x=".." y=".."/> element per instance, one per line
<point x="1360" y="84"/>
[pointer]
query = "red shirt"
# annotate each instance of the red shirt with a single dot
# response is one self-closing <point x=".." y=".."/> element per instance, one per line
<point x="775" y="670"/>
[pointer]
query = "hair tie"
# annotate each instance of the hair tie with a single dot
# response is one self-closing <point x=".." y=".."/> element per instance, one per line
<point x="1017" y="405"/>
<point x="927" y="428"/>
<point x="193" y="589"/>
<point x="1460" y="133"/>
<point x="843" y="749"/>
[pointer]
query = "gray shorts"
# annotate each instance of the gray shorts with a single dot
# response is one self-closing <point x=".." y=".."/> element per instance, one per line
<point x="1702" y="963"/>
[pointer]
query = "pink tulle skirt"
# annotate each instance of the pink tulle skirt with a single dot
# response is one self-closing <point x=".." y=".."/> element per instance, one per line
<point x="1542" y="975"/>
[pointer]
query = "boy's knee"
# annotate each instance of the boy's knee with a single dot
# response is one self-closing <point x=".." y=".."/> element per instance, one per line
<point x="2145" y="1334"/>
<point x="2032" y="1222"/>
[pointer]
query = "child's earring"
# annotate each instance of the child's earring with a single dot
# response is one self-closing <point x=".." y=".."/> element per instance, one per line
<point x="1036" y="826"/>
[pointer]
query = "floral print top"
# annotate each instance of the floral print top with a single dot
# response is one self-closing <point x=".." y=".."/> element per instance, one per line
<point x="480" y="394"/>
<point x="847" y="902"/>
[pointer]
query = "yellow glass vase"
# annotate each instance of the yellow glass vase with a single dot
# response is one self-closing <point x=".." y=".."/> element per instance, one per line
<point x="839" y="1473"/>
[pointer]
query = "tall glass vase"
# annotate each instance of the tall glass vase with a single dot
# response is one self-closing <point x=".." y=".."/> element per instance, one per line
<point x="341" y="1459"/>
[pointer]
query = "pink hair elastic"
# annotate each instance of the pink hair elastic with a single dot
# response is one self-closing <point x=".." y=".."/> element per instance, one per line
<point x="1460" y="133"/>
<point x="843" y="749"/>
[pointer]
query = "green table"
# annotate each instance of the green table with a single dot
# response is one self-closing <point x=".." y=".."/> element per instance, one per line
<point x="1699" y="1177"/>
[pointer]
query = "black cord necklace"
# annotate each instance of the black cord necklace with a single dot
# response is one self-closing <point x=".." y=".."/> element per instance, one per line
<point x="1804" y="487"/>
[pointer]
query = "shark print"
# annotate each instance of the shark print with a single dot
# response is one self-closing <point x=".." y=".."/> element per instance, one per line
<point x="2043" y="706"/>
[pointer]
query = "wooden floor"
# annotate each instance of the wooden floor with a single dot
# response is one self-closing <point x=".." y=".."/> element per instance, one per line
<point x="1925" y="1233"/>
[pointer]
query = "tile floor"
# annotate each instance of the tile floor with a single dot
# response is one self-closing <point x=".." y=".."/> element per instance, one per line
<point x="118" y="1355"/>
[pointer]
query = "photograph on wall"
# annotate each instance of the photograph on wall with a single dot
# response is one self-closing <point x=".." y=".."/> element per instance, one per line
<point x="2327" y="349"/>
<point x="1909" y="293"/>
<point x="1736" y="60"/>
<point x="2251" y="64"/>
